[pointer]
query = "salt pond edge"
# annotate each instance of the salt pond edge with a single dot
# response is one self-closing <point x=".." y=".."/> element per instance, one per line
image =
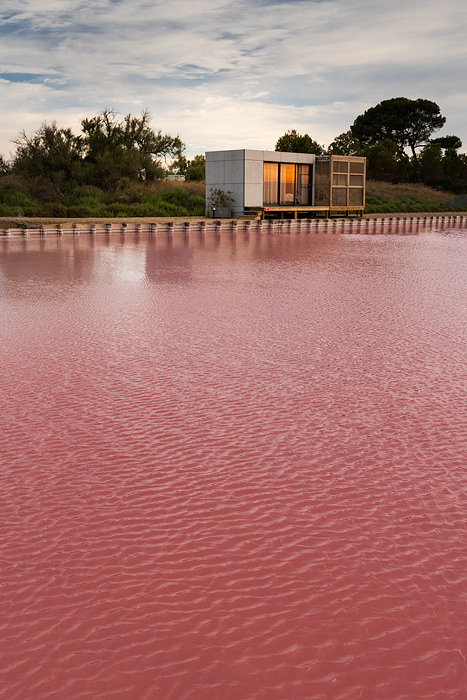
<point x="370" y="224"/>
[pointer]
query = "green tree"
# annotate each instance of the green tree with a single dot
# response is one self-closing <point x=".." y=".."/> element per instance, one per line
<point x="408" y="123"/>
<point x="430" y="166"/>
<point x="51" y="153"/>
<point x="129" y="148"/>
<point x="196" y="169"/>
<point x="385" y="162"/>
<point x="5" y="167"/>
<point x="345" y="145"/>
<point x="107" y="151"/>
<point x="455" y="171"/>
<point x="447" y="142"/>
<point x="292" y="142"/>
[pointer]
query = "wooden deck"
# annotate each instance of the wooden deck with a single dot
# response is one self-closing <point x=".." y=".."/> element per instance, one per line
<point x="298" y="211"/>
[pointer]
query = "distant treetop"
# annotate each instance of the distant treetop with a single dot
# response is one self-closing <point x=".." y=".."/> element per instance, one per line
<point x="292" y="142"/>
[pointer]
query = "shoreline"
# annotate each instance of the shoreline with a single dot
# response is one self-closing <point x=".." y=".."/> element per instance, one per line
<point x="369" y="224"/>
<point x="32" y="223"/>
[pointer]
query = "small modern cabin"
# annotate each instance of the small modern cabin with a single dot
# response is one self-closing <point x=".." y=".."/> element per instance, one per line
<point x="279" y="184"/>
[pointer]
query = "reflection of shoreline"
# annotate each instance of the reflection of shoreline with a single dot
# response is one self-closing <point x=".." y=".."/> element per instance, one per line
<point x="46" y="261"/>
<point x="169" y="263"/>
<point x="168" y="257"/>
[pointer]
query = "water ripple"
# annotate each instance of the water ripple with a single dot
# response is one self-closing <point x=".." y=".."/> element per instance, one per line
<point x="234" y="467"/>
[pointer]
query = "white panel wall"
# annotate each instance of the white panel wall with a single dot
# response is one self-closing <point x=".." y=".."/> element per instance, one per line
<point x="225" y="171"/>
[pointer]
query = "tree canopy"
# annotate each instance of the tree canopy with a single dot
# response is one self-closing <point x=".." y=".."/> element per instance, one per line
<point x="447" y="142"/>
<point x="107" y="150"/>
<point x="345" y="145"/>
<point x="196" y="168"/>
<point x="126" y="155"/>
<point x="49" y="152"/>
<point x="292" y="142"/>
<point x="408" y="123"/>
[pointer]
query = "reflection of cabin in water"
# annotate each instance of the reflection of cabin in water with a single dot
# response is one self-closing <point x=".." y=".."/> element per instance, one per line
<point x="274" y="183"/>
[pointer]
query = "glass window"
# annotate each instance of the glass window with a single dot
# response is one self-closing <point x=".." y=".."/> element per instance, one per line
<point x="322" y="182"/>
<point x="303" y="184"/>
<point x="287" y="186"/>
<point x="270" y="183"/>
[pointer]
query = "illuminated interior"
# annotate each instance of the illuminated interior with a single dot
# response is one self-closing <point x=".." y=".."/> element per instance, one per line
<point x="286" y="184"/>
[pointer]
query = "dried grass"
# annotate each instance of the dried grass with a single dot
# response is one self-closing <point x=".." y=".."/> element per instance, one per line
<point x="386" y="190"/>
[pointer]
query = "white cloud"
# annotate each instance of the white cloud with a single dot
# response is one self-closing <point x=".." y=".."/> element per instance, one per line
<point x="225" y="74"/>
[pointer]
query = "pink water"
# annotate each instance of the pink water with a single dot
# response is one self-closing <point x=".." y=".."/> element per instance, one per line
<point x="234" y="467"/>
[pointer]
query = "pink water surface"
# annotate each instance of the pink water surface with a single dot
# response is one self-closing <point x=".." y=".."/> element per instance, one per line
<point x="234" y="467"/>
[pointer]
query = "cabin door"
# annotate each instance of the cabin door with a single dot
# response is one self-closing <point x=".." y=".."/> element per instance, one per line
<point x="303" y="190"/>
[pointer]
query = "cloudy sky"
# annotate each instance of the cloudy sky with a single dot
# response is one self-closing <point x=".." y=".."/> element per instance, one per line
<point x="228" y="73"/>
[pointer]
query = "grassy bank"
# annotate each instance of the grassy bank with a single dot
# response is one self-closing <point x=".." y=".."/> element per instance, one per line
<point x="386" y="198"/>
<point x="166" y="198"/>
<point x="160" y="198"/>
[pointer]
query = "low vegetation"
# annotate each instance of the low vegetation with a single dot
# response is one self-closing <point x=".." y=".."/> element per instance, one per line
<point x="113" y="168"/>
<point x="386" y="197"/>
<point x="159" y="198"/>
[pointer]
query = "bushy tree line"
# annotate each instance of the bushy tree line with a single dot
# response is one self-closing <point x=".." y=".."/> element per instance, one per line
<point x="107" y="150"/>
<point x="396" y="137"/>
<point x="108" y="169"/>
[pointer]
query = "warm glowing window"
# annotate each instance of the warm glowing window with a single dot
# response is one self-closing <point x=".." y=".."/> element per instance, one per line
<point x="270" y="183"/>
<point x="286" y="184"/>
